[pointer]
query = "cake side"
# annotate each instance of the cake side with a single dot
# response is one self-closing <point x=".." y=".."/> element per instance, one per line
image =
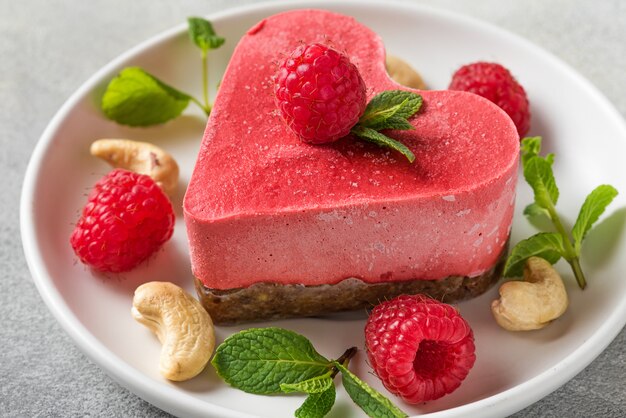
<point x="424" y="239"/>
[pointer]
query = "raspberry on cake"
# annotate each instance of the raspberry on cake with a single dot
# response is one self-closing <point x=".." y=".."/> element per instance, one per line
<point x="278" y="227"/>
<point x="320" y="93"/>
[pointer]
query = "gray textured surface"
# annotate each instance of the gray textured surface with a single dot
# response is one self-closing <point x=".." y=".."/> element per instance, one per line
<point x="47" y="49"/>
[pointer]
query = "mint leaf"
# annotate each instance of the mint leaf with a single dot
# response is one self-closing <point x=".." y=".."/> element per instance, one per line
<point x="377" y="119"/>
<point x="137" y="98"/>
<point x="594" y="206"/>
<point x="395" y="122"/>
<point x="371" y="135"/>
<point x="202" y="34"/>
<point x="547" y="245"/>
<point x="317" y="405"/>
<point x="258" y="360"/>
<point x="399" y="103"/>
<point x="369" y="400"/>
<point x="316" y="384"/>
<point x="538" y="173"/>
<point x="539" y="217"/>
<point x="530" y="147"/>
<point x="535" y="210"/>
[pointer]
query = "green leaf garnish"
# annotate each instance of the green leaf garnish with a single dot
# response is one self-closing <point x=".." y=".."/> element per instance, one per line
<point x="258" y="360"/>
<point x="535" y="210"/>
<point x="404" y="104"/>
<point x="547" y="245"/>
<point x="388" y="110"/>
<point x="316" y="384"/>
<point x="137" y="98"/>
<point x="400" y="103"/>
<point x="594" y="206"/>
<point x="202" y="34"/>
<point x="530" y="147"/>
<point x="270" y="360"/>
<point x="370" y="401"/>
<point x="396" y="123"/>
<point x="552" y="246"/>
<point x="538" y="174"/>
<point x="376" y="137"/>
<point x="317" y="405"/>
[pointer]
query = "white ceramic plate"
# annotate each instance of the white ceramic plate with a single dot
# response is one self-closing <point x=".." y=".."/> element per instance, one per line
<point x="511" y="371"/>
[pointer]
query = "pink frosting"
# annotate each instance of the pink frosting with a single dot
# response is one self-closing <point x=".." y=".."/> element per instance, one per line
<point x="262" y="206"/>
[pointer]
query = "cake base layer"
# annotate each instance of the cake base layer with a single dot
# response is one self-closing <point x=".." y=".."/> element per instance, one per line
<point x="268" y="301"/>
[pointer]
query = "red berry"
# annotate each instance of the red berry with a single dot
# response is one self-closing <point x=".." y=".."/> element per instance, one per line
<point x="127" y="218"/>
<point x="320" y="93"/>
<point x="420" y="348"/>
<point x="495" y="83"/>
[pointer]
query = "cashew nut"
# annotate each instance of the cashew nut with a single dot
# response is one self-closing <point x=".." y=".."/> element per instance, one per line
<point x="141" y="157"/>
<point x="532" y="303"/>
<point x="182" y="325"/>
<point x="403" y="73"/>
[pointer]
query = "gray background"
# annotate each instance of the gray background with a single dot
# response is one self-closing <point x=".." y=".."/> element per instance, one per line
<point x="48" y="48"/>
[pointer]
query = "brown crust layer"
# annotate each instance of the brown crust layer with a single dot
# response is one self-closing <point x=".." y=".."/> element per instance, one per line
<point x="266" y="301"/>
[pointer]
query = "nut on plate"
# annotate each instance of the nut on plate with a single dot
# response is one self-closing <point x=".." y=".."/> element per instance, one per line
<point x="533" y="303"/>
<point x="140" y="157"/>
<point x="182" y="325"/>
<point x="402" y="73"/>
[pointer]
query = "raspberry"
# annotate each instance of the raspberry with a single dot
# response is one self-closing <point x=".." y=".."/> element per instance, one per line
<point x="495" y="83"/>
<point x="320" y="93"/>
<point x="421" y="349"/>
<point x="127" y="218"/>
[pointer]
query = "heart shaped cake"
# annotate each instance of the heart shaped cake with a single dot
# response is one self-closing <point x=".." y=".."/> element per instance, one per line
<point x="278" y="227"/>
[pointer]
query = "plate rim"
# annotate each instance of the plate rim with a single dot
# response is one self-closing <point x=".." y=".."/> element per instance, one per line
<point x="166" y="397"/>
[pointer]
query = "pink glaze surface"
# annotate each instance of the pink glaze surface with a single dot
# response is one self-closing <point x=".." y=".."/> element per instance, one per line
<point x="262" y="206"/>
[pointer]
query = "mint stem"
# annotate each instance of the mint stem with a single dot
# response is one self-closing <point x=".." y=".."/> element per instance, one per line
<point x="344" y="360"/>
<point x="205" y="81"/>
<point x="578" y="272"/>
<point x="570" y="253"/>
<point x="206" y="109"/>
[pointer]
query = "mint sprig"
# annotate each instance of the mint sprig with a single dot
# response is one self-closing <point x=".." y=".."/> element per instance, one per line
<point x="275" y="360"/>
<point x="390" y="109"/>
<point x="203" y="35"/>
<point x="137" y="98"/>
<point x="560" y="244"/>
